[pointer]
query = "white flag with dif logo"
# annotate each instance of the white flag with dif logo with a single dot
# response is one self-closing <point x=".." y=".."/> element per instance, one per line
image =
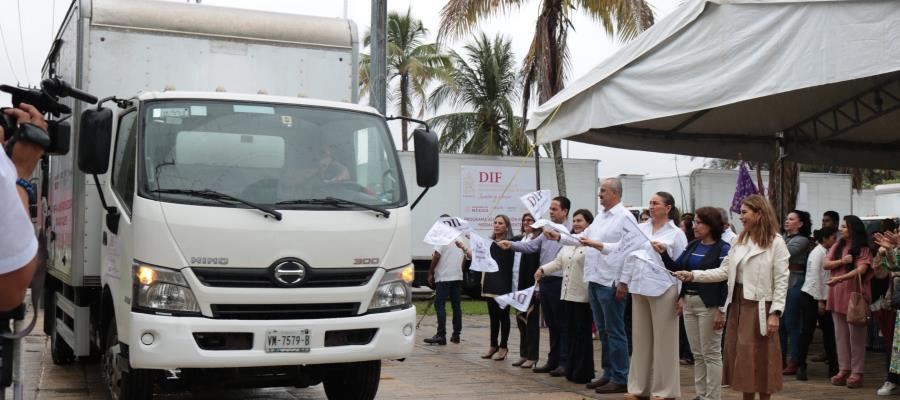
<point x="520" y="300"/>
<point x="559" y="228"/>
<point x="459" y="224"/>
<point x="441" y="234"/>
<point x="481" y="254"/>
<point x="537" y="203"/>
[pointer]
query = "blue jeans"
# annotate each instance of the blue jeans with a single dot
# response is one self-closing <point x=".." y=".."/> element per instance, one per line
<point x="609" y="316"/>
<point x="443" y="290"/>
<point x="792" y="318"/>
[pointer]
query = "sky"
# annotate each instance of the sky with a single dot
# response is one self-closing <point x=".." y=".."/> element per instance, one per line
<point x="29" y="27"/>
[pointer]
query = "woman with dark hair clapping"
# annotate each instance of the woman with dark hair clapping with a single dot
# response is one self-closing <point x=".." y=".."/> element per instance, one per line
<point x="849" y="261"/>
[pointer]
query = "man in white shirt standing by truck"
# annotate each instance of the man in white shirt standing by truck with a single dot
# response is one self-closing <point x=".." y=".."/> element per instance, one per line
<point x="602" y="273"/>
<point x="445" y="274"/>
<point x="18" y="245"/>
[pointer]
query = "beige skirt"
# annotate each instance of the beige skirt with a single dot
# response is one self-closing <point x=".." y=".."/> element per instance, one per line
<point x="752" y="362"/>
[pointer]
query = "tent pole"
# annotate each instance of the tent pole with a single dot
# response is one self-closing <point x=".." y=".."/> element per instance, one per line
<point x="537" y="163"/>
<point x="780" y="138"/>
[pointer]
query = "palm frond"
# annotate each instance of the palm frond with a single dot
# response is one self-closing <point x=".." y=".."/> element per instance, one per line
<point x="458" y="17"/>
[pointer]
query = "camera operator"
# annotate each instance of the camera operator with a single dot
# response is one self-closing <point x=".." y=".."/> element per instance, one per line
<point x="18" y="244"/>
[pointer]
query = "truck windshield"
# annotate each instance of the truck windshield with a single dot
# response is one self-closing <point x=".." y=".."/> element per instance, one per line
<point x="270" y="154"/>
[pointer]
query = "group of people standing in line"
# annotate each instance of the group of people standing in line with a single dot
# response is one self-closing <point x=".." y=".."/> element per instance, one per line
<point x="761" y="292"/>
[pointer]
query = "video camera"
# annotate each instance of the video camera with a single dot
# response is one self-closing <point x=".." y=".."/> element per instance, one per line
<point x="46" y="100"/>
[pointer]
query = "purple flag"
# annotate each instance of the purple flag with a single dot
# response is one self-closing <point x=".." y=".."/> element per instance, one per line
<point x="745" y="187"/>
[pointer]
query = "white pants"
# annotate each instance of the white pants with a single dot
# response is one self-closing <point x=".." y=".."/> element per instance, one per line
<point x="654" y="357"/>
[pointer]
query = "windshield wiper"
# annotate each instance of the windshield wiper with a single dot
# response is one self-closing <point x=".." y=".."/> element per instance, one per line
<point x="214" y="195"/>
<point x="334" y="201"/>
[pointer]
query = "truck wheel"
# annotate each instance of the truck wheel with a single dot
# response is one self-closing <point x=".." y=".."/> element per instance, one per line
<point x="354" y="381"/>
<point x="60" y="351"/>
<point x="135" y="384"/>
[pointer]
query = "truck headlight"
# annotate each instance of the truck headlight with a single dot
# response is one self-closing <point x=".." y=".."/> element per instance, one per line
<point x="162" y="289"/>
<point x="394" y="291"/>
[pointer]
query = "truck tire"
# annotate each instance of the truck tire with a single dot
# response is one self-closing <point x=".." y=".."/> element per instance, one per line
<point x="134" y="384"/>
<point x="353" y="381"/>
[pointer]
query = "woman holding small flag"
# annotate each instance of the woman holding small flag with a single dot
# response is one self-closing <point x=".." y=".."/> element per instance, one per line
<point x="703" y="304"/>
<point x="570" y="259"/>
<point x="756" y="269"/>
<point x="495" y="283"/>
<point x="528" y="322"/>
<point x="654" y="298"/>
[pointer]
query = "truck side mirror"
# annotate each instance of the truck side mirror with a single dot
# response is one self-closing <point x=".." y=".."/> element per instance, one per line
<point x="426" y="143"/>
<point x="94" y="141"/>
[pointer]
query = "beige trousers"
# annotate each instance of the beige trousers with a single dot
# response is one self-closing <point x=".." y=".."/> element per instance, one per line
<point x="654" y="359"/>
<point x="706" y="344"/>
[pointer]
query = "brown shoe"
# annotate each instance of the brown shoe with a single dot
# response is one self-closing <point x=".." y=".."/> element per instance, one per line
<point x="629" y="396"/>
<point x="597" y="383"/>
<point x="791" y="368"/>
<point x="490" y="353"/>
<point x="501" y="354"/>
<point x="612" y="388"/>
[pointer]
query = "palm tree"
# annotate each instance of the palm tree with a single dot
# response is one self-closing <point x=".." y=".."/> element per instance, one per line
<point x="412" y="66"/>
<point x="484" y="81"/>
<point x="544" y="67"/>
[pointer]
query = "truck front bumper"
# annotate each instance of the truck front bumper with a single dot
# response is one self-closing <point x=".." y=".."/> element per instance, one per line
<point x="174" y="346"/>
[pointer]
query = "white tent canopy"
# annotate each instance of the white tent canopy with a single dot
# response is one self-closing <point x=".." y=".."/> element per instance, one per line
<point x="726" y="78"/>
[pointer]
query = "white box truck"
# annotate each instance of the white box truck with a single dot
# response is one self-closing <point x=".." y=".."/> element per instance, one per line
<point x="203" y="233"/>
<point x="887" y="199"/>
<point x="463" y="193"/>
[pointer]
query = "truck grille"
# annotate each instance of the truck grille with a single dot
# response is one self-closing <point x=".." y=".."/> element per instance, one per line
<point x="284" y="311"/>
<point x="261" y="278"/>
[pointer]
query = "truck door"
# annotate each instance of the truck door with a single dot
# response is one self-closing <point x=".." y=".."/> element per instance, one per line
<point x="117" y="251"/>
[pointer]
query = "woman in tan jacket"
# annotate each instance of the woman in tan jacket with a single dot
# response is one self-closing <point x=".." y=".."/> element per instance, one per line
<point x="580" y="366"/>
<point x="756" y="269"/>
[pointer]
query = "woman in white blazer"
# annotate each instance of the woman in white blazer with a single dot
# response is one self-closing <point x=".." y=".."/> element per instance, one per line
<point x="756" y="269"/>
<point x="580" y="365"/>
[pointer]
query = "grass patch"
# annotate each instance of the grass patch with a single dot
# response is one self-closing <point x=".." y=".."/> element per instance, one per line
<point x="469" y="307"/>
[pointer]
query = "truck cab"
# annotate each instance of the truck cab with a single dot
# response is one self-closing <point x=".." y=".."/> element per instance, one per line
<point x="200" y="234"/>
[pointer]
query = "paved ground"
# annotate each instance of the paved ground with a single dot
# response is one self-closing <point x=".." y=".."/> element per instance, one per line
<point x="454" y="371"/>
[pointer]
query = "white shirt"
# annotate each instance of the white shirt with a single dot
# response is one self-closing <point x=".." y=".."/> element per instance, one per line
<point x="449" y="266"/>
<point x="606" y="228"/>
<point x="816" y="275"/>
<point x="675" y="241"/>
<point x="18" y="244"/>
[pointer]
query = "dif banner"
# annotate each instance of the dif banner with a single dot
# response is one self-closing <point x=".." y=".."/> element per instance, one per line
<point x="488" y="191"/>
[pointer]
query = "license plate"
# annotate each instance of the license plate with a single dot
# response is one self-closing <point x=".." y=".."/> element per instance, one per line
<point x="291" y="341"/>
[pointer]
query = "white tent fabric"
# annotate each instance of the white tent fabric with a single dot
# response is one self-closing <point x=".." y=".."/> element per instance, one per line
<point x="723" y="78"/>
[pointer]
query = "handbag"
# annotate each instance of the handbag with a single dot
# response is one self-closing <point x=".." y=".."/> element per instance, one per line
<point x="858" y="308"/>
